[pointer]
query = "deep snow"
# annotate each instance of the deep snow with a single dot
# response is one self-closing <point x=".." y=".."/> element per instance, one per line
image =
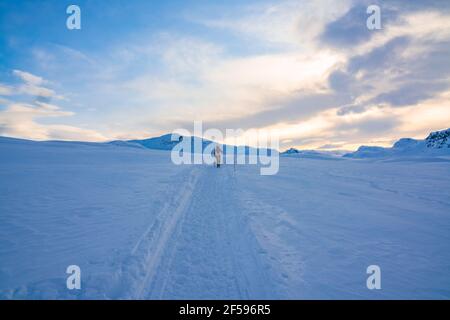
<point x="141" y="227"/>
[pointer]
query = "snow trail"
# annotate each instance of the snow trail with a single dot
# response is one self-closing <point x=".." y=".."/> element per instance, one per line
<point x="165" y="232"/>
<point x="207" y="250"/>
<point x="137" y="270"/>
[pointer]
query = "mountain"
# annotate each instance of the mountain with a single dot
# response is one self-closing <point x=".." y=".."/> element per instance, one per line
<point x="291" y="151"/>
<point x="439" y="139"/>
<point x="165" y="142"/>
<point x="436" y="144"/>
<point x="312" y="154"/>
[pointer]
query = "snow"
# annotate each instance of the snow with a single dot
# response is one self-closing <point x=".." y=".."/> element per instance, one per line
<point x="165" y="142"/>
<point x="437" y="144"/>
<point x="313" y="154"/>
<point x="140" y="227"/>
<point x="439" y="139"/>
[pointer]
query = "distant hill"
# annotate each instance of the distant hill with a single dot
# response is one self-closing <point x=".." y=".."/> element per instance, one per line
<point x="312" y="154"/>
<point x="165" y="142"/>
<point x="436" y="144"/>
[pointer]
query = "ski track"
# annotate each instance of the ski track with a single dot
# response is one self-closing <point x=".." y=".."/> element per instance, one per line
<point x="165" y="234"/>
<point x="200" y="246"/>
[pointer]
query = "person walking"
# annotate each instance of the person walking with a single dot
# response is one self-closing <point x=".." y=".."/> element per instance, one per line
<point x="218" y="154"/>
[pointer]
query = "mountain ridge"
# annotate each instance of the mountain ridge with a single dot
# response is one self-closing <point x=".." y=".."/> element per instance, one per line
<point x="435" y="144"/>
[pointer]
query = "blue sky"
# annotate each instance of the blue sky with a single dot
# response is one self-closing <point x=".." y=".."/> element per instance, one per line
<point x="310" y="70"/>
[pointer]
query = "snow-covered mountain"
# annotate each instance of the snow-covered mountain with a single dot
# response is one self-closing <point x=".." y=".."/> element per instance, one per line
<point x="165" y="142"/>
<point x="439" y="139"/>
<point x="436" y="144"/>
<point x="313" y="154"/>
<point x="291" y="151"/>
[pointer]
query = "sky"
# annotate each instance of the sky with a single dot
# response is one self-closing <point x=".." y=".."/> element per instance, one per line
<point x="309" y="70"/>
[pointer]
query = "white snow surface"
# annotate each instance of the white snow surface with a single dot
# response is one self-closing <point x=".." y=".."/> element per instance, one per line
<point x="140" y="227"/>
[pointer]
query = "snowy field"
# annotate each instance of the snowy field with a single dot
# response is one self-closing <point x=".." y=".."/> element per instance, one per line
<point x="140" y="227"/>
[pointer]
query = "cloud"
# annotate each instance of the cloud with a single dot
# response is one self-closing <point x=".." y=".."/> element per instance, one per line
<point x="411" y="93"/>
<point x="331" y="146"/>
<point x="20" y="120"/>
<point x="371" y="72"/>
<point x="334" y="93"/>
<point x="291" y="23"/>
<point x="204" y="83"/>
<point x="349" y="29"/>
<point x="29" y="78"/>
<point x="345" y="110"/>
<point x="33" y="86"/>
<point x="399" y="18"/>
<point x="400" y="67"/>
<point x="309" y="68"/>
<point x="368" y="126"/>
<point x="36" y="91"/>
<point x="5" y="90"/>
